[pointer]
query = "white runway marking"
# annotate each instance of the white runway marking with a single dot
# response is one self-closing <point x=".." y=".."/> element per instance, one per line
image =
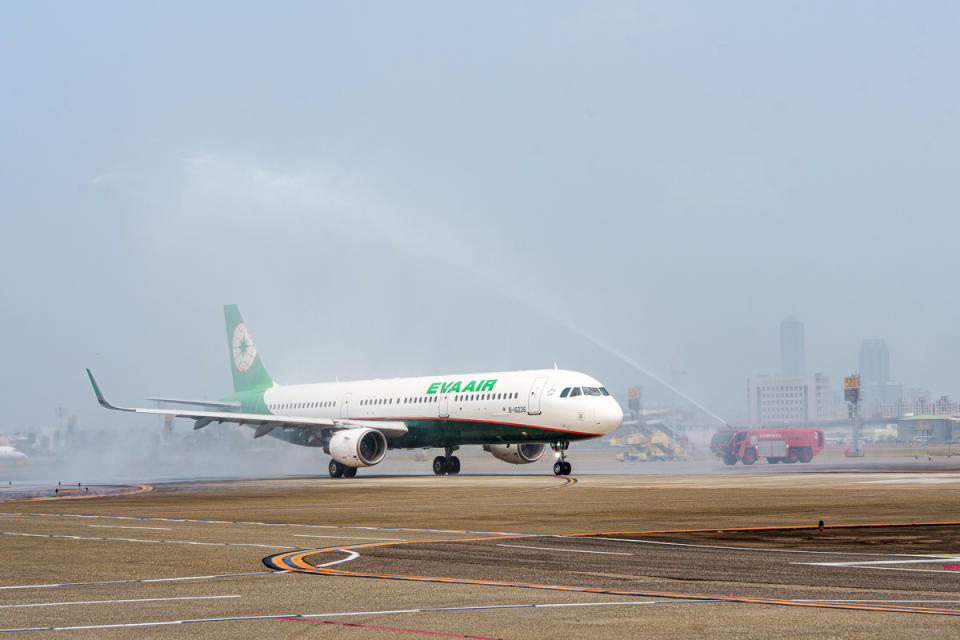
<point x="63" y="604"/>
<point x="257" y="524"/>
<point x="886" y="567"/>
<point x="919" y="478"/>
<point x="304" y="535"/>
<point x="134" y="581"/>
<point x="928" y="559"/>
<point x="729" y="548"/>
<point x="118" y="526"/>
<point x="205" y="544"/>
<point x="355" y="613"/>
<point x="606" y="553"/>
<point x="353" y="554"/>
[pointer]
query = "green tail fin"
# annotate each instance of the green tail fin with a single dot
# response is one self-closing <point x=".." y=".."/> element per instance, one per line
<point x="249" y="374"/>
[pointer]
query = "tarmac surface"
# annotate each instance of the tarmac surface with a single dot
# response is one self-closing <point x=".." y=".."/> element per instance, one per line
<point x="729" y="555"/>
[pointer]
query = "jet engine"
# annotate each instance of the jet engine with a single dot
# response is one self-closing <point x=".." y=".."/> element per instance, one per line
<point x="358" y="447"/>
<point x="518" y="453"/>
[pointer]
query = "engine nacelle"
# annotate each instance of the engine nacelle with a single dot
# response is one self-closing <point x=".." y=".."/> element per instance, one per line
<point x="358" y="447"/>
<point x="518" y="453"/>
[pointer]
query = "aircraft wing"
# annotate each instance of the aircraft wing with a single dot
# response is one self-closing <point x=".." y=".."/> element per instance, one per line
<point x="265" y="423"/>
<point x="226" y="406"/>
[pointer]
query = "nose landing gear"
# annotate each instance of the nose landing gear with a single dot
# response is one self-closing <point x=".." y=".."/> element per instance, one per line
<point x="561" y="467"/>
<point x="447" y="464"/>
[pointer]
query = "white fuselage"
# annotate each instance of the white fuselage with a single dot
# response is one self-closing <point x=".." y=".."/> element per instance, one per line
<point x="503" y="403"/>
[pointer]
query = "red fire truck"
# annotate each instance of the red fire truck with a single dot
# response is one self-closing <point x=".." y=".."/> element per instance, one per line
<point x="776" y="445"/>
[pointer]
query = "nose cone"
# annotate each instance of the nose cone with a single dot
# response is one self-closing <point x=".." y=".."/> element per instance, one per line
<point x="609" y="416"/>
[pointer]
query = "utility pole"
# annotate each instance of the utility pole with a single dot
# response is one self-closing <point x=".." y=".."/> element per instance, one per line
<point x="851" y="393"/>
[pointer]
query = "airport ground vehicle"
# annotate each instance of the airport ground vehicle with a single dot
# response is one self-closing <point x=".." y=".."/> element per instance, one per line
<point x="776" y="445"/>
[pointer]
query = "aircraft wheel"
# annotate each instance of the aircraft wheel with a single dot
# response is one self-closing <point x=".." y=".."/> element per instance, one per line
<point x="453" y="465"/>
<point x="567" y="468"/>
<point x="336" y="469"/>
<point x="439" y="465"/>
<point x="558" y="468"/>
<point x="349" y="472"/>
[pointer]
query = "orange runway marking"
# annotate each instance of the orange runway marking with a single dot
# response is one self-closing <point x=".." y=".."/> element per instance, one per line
<point x="134" y="490"/>
<point x="294" y="561"/>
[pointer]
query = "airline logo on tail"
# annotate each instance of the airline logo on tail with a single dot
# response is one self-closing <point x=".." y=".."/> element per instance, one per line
<point x="244" y="351"/>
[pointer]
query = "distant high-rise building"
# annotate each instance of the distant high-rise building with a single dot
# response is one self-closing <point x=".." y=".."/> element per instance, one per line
<point x="792" y="358"/>
<point x="875" y="385"/>
<point x="874" y="361"/>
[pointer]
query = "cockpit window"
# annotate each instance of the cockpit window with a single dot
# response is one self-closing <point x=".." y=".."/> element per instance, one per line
<point x="565" y="392"/>
<point x="591" y="391"/>
<point x="604" y="391"/>
<point x="575" y="392"/>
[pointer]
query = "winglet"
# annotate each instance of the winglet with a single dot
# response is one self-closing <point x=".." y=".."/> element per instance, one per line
<point x="96" y="389"/>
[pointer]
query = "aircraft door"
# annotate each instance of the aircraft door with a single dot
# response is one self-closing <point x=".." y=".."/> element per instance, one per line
<point x="536" y="390"/>
<point x="345" y="406"/>
<point x="443" y="402"/>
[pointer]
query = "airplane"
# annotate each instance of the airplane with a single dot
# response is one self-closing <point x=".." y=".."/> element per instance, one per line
<point x="513" y="415"/>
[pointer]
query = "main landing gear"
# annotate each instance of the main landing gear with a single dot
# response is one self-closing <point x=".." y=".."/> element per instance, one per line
<point x="338" y="470"/>
<point x="561" y="467"/>
<point x="448" y="464"/>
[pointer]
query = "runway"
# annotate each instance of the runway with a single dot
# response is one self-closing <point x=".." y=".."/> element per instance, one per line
<point x="511" y="556"/>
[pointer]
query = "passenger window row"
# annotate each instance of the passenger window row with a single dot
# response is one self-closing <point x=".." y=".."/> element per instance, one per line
<point x="302" y="405"/>
<point x="431" y="399"/>
<point x="379" y="401"/>
<point x="573" y="392"/>
<point x="484" y="396"/>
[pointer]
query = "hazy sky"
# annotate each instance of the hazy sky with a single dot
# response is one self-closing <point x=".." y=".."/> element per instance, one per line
<point x="404" y="188"/>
